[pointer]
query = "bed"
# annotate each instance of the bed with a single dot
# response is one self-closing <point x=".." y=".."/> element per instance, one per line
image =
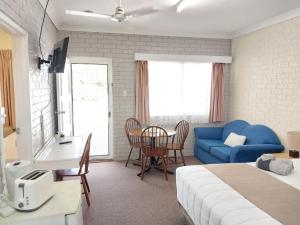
<point x="232" y="194"/>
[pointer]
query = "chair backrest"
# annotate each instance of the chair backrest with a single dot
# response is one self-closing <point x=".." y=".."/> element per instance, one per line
<point x="182" y="131"/>
<point x="154" y="141"/>
<point x="85" y="158"/>
<point x="132" y="124"/>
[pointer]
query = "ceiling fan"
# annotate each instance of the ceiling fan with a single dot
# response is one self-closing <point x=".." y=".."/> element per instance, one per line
<point x="120" y="15"/>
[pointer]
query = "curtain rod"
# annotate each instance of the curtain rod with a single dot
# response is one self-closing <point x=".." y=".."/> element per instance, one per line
<point x="183" y="58"/>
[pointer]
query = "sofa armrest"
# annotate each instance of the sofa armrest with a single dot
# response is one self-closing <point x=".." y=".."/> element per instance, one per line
<point x="249" y="153"/>
<point x="208" y="132"/>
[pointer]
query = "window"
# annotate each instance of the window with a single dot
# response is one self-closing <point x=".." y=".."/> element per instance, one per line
<point x="179" y="90"/>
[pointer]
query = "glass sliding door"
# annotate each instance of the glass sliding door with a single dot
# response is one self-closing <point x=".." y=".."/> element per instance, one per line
<point x="90" y="105"/>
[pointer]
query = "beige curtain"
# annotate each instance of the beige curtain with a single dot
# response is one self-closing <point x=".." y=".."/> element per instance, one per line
<point x="7" y="87"/>
<point x="216" y="113"/>
<point x="142" y="112"/>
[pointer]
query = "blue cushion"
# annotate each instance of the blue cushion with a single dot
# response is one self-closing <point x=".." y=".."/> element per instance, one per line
<point x="222" y="153"/>
<point x="235" y="126"/>
<point x="206" y="144"/>
<point x="260" y="134"/>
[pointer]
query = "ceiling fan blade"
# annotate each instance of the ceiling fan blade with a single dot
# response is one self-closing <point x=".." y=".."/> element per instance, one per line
<point x="183" y="4"/>
<point x="87" y="14"/>
<point x="142" y="12"/>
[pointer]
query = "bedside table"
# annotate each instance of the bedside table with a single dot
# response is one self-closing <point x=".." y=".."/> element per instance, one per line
<point x="282" y="155"/>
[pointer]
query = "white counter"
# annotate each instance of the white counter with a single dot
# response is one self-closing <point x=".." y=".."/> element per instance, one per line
<point x="60" y="156"/>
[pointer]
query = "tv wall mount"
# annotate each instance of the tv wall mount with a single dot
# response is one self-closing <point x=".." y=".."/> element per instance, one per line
<point x="43" y="61"/>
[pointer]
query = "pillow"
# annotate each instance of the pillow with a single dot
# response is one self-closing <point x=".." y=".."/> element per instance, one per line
<point x="234" y="139"/>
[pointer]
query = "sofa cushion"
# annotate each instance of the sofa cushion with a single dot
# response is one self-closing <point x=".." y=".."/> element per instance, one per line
<point x="206" y="144"/>
<point x="234" y="139"/>
<point x="235" y="126"/>
<point x="222" y="153"/>
<point x="260" y="134"/>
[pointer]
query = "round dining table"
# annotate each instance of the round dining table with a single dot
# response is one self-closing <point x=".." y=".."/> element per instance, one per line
<point x="138" y="132"/>
<point x="153" y="161"/>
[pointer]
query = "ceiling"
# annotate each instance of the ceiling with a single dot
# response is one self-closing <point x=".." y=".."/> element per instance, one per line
<point x="206" y="18"/>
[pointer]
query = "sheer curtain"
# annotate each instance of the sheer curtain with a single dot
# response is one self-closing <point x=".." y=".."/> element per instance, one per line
<point x="179" y="90"/>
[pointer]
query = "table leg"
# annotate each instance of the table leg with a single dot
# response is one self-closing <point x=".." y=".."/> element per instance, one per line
<point x="152" y="164"/>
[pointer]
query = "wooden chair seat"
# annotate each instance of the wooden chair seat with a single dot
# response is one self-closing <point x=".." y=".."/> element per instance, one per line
<point x="70" y="172"/>
<point x="154" y="152"/>
<point x="173" y="146"/>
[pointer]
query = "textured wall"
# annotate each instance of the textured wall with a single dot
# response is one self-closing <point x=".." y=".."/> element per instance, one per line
<point x="265" y="77"/>
<point x="28" y="14"/>
<point x="121" y="49"/>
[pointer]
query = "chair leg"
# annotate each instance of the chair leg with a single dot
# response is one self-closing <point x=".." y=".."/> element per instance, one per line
<point x="143" y="167"/>
<point x="182" y="157"/>
<point x="87" y="184"/>
<point x="85" y="191"/>
<point x="165" y="164"/>
<point x="129" y="156"/>
<point x="175" y="156"/>
<point x="146" y="162"/>
<point x="59" y="178"/>
<point x="140" y="153"/>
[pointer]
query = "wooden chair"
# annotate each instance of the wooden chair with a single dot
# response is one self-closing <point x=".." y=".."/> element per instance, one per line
<point x="154" y="142"/>
<point x="132" y="125"/>
<point x="182" y="130"/>
<point x="81" y="171"/>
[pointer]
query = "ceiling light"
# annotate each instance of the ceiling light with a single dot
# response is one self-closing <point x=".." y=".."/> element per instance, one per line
<point x="184" y="4"/>
<point x="82" y="13"/>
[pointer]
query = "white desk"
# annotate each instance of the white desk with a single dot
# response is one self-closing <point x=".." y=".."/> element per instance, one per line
<point x="64" y="208"/>
<point x="56" y="156"/>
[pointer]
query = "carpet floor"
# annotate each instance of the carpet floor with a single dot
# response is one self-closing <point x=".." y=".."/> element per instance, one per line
<point x="119" y="197"/>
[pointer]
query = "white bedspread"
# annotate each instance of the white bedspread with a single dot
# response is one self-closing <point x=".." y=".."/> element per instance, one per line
<point x="210" y="201"/>
<point x="293" y="179"/>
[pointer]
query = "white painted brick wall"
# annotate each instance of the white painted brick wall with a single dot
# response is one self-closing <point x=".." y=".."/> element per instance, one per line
<point x="265" y="77"/>
<point x="28" y="14"/>
<point x="121" y="49"/>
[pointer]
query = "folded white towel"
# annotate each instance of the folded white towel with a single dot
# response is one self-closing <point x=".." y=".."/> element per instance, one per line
<point x="279" y="166"/>
<point x="282" y="166"/>
<point x="267" y="157"/>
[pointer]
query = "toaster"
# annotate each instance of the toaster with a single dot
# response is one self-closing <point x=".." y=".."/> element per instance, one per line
<point x="33" y="190"/>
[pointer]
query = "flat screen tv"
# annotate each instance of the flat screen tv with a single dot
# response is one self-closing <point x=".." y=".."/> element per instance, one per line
<point x="59" y="56"/>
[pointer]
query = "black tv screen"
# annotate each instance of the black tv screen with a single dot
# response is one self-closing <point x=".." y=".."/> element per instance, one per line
<point x="59" y="56"/>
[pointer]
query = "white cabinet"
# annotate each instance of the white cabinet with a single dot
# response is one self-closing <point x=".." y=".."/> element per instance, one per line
<point x="63" y="209"/>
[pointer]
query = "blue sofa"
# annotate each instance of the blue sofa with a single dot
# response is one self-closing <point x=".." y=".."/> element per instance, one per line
<point x="210" y="147"/>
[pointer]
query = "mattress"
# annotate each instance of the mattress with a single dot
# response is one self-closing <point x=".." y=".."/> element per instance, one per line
<point x="209" y="201"/>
